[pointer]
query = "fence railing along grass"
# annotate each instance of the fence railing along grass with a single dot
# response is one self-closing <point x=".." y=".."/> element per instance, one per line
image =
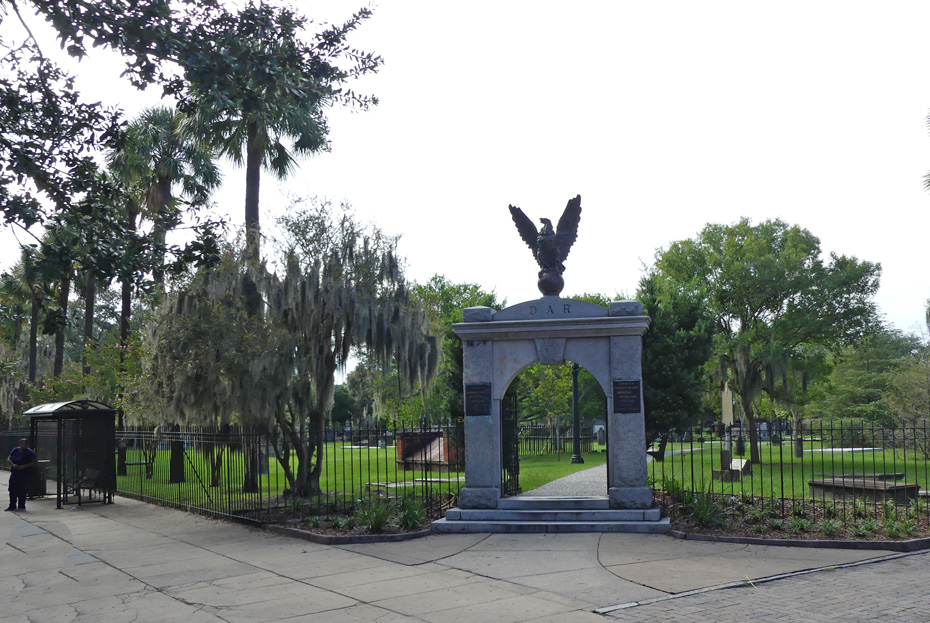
<point x="860" y="475"/>
<point x="208" y="471"/>
<point x="863" y="477"/>
<point x="236" y="473"/>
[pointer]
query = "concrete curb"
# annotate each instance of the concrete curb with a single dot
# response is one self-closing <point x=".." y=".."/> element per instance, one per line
<point x="911" y="545"/>
<point x="325" y="539"/>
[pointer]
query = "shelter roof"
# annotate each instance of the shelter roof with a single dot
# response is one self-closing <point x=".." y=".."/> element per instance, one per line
<point x="71" y="407"/>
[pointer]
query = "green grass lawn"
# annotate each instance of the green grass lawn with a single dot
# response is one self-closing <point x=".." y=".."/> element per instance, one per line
<point x="781" y="473"/>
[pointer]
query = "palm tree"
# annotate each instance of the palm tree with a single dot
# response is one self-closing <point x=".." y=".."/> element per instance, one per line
<point x="155" y="159"/>
<point x="259" y="95"/>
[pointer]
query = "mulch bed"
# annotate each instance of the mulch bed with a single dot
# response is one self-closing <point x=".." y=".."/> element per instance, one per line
<point x="800" y="521"/>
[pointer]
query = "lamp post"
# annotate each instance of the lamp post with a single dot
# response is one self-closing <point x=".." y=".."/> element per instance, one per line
<point x="576" y="423"/>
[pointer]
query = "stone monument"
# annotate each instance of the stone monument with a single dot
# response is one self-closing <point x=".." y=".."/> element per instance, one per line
<point x="607" y="342"/>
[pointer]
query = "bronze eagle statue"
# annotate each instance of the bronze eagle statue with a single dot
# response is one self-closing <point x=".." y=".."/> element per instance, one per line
<point x="550" y="247"/>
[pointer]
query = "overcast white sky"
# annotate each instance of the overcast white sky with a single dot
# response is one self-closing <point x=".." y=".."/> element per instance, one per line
<point x="663" y="116"/>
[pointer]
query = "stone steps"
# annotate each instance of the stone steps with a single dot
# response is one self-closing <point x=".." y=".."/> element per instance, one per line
<point x="540" y="515"/>
<point x="527" y="502"/>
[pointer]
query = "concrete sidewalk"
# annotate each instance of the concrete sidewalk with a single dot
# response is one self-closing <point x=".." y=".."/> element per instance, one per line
<point x="133" y="562"/>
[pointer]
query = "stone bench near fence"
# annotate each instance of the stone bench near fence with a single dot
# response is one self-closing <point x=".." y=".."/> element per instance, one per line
<point x="870" y="488"/>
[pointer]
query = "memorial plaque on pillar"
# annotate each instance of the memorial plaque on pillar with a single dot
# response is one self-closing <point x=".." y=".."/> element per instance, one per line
<point x="627" y="398"/>
<point x="477" y="399"/>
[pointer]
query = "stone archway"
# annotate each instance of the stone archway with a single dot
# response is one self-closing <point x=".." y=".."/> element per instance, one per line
<point x="605" y="341"/>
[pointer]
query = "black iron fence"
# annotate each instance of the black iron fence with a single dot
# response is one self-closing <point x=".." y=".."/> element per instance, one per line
<point x="539" y="440"/>
<point x="250" y="476"/>
<point x="819" y="475"/>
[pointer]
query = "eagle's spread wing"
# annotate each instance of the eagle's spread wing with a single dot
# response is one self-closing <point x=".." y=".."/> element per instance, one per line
<point x="567" y="230"/>
<point x="526" y="228"/>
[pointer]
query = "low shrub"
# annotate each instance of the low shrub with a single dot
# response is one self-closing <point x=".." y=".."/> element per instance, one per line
<point x="412" y="513"/>
<point x="830" y="527"/>
<point x="676" y="490"/>
<point x="375" y="515"/>
<point x="705" y="509"/>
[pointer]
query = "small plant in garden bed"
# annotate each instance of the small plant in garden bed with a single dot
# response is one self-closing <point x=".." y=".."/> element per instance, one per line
<point x="412" y="513"/>
<point x="777" y="519"/>
<point x="375" y="515"/>
<point x="830" y="527"/>
<point x="706" y="509"/>
<point x="860" y="530"/>
<point x="858" y="508"/>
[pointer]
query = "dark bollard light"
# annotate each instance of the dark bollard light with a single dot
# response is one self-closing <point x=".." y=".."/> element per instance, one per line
<point x="576" y="421"/>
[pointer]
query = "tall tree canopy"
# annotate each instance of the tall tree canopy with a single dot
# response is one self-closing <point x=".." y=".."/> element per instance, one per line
<point x="860" y="384"/>
<point x="770" y="292"/>
<point x="675" y="350"/>
<point x="163" y="170"/>
<point x="259" y="347"/>
<point x="260" y="92"/>
<point x="444" y="301"/>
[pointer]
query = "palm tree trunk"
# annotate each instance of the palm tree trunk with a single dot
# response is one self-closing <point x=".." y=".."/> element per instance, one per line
<point x="33" y="338"/>
<point x="253" y="168"/>
<point x="17" y="333"/>
<point x="159" y="231"/>
<point x="90" y="297"/>
<point x="125" y="313"/>
<point x="64" y="291"/>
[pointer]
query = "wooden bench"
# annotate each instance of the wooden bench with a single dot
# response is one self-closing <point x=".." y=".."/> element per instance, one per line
<point x="736" y="470"/>
<point x="867" y="488"/>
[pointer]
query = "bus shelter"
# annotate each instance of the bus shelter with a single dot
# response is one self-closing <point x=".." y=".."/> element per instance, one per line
<point x="78" y="438"/>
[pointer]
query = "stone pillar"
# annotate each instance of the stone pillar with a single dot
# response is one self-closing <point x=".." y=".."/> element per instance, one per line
<point x="626" y="428"/>
<point x="482" y="431"/>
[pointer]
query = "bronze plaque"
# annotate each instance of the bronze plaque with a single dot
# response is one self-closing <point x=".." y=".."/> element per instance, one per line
<point x="626" y="396"/>
<point x="477" y="399"/>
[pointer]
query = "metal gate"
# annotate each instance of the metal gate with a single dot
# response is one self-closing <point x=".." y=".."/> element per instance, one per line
<point x="510" y="444"/>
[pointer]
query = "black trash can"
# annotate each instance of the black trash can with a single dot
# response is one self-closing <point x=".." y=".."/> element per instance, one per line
<point x="37" y="486"/>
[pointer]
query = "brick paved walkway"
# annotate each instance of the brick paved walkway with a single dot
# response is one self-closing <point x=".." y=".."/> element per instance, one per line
<point x="891" y="591"/>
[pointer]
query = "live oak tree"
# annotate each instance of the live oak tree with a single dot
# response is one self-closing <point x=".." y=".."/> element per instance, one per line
<point x="342" y="287"/>
<point x="770" y="293"/>
<point x="243" y="344"/>
<point x="444" y="302"/>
